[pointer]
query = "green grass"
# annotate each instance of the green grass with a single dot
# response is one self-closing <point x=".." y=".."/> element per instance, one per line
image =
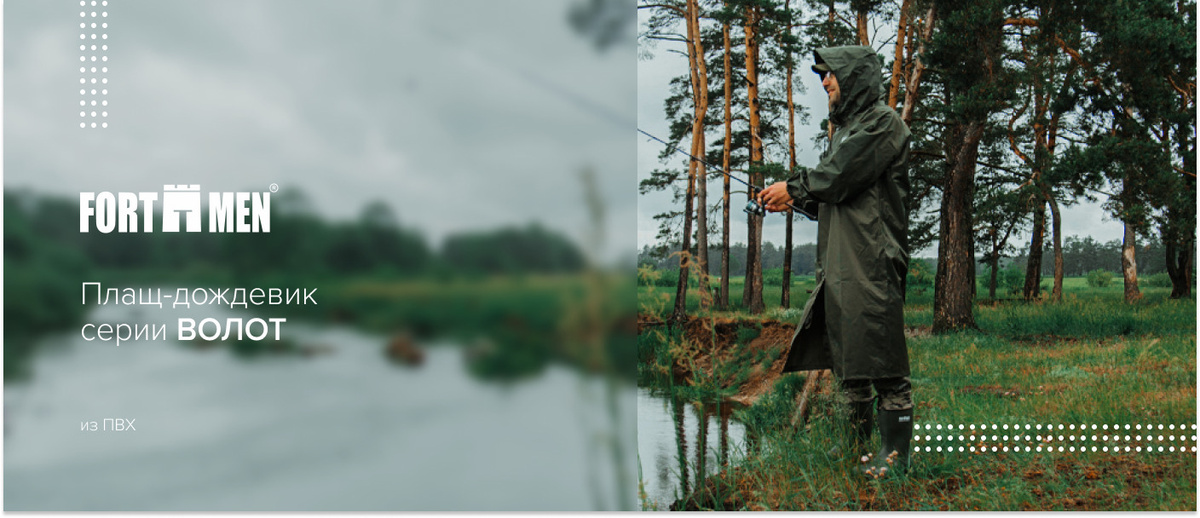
<point x="1089" y="360"/>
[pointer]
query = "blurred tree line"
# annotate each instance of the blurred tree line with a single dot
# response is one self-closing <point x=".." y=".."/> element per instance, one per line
<point x="41" y="282"/>
<point x="300" y="243"/>
<point x="1081" y="255"/>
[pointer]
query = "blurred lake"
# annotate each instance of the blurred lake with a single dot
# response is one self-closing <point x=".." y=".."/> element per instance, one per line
<point x="342" y="431"/>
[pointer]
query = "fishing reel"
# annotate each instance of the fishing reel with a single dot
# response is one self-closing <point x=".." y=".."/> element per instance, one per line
<point x="753" y="208"/>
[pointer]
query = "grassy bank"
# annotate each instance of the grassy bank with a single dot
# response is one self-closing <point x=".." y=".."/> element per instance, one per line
<point x="1090" y="361"/>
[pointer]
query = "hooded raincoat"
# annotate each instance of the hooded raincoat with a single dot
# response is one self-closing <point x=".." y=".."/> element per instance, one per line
<point x="853" y="322"/>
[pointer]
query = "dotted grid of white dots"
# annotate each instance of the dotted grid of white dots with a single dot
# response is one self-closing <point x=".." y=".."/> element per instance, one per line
<point x="1044" y="435"/>
<point x="93" y="59"/>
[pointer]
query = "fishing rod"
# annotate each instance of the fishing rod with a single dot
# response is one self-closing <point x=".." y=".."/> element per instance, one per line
<point x="610" y="115"/>
<point x="752" y="206"/>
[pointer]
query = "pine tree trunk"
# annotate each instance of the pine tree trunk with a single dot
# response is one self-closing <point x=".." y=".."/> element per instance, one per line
<point x="1129" y="264"/>
<point x="954" y="283"/>
<point x="913" y="81"/>
<point x="971" y="273"/>
<point x="1033" y="269"/>
<point x="1185" y="269"/>
<point x="1171" y="250"/>
<point x="700" y="95"/>
<point x="1180" y="234"/>
<point x="1056" y="292"/>
<point x="898" y="60"/>
<point x="723" y="297"/>
<point x="1043" y="152"/>
<point x="785" y="298"/>
<point x="1179" y="263"/>
<point x="679" y="313"/>
<point x="752" y="293"/>
<point x="861" y="25"/>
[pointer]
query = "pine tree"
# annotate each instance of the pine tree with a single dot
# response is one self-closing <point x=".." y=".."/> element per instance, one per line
<point x="967" y="52"/>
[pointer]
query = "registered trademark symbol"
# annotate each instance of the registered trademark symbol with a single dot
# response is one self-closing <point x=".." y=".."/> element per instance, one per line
<point x="274" y="187"/>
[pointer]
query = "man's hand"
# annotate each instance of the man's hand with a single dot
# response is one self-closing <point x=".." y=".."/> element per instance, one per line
<point x="775" y="197"/>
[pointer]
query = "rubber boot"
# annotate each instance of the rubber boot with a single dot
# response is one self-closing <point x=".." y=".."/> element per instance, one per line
<point x="895" y="432"/>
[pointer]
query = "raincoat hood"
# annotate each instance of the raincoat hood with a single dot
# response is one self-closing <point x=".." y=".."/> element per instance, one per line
<point x="857" y="70"/>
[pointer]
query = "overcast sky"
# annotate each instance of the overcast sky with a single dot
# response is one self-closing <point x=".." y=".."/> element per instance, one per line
<point x="654" y="77"/>
<point x="452" y="112"/>
<point x="454" y="119"/>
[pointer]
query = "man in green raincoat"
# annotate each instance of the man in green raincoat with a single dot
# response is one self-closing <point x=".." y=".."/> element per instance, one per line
<point x="853" y="322"/>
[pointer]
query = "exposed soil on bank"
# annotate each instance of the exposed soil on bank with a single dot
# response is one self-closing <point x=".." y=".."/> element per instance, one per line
<point x="731" y="341"/>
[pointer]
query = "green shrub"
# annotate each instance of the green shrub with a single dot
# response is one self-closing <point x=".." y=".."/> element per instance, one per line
<point x="773" y="277"/>
<point x="1099" y="278"/>
<point x="1159" y="280"/>
<point x="1009" y="280"/>
<point x="920" y="274"/>
<point x="667" y="279"/>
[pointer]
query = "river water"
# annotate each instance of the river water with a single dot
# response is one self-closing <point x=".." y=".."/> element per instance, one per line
<point x="344" y="431"/>
<point x="671" y="436"/>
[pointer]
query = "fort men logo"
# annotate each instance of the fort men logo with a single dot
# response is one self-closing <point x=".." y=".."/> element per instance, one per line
<point x="237" y="212"/>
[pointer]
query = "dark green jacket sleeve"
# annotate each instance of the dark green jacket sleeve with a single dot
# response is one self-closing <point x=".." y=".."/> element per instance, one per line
<point x="854" y="164"/>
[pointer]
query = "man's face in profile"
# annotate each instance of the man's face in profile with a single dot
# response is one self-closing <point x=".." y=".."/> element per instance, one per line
<point x="829" y="82"/>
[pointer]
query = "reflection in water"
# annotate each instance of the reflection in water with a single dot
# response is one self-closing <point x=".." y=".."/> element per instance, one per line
<point x="673" y="445"/>
<point x="346" y="430"/>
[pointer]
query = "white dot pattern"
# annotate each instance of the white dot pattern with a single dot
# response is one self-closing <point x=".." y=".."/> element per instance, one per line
<point x="93" y="54"/>
<point x="977" y="437"/>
